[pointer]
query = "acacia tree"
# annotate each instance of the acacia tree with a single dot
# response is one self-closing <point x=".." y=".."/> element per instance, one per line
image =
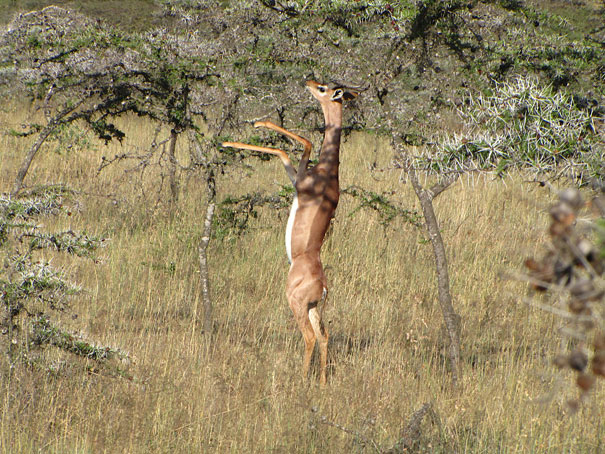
<point x="84" y="72"/>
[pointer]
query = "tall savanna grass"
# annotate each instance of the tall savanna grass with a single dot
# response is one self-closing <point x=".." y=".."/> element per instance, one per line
<point x="240" y="389"/>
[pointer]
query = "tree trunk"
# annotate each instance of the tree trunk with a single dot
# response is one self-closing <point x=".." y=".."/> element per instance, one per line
<point x="450" y="317"/>
<point x="203" y="256"/>
<point x="201" y="158"/>
<point x="18" y="184"/>
<point x="172" y="166"/>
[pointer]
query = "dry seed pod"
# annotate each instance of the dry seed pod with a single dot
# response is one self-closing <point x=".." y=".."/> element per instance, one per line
<point x="563" y="214"/>
<point x="558" y="229"/>
<point x="550" y="269"/>
<point x="585" y="381"/>
<point x="578" y="360"/>
<point x="588" y="251"/>
<point x="572" y="197"/>
<point x="598" y="363"/>
<point x="543" y="272"/>
<point x="585" y="247"/>
<point x="532" y="265"/>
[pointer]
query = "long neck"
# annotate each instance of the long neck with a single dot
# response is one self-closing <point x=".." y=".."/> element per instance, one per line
<point x="328" y="158"/>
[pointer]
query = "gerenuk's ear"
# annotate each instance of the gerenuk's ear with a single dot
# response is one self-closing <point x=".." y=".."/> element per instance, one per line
<point x="350" y="94"/>
<point x="337" y="95"/>
<point x="343" y="94"/>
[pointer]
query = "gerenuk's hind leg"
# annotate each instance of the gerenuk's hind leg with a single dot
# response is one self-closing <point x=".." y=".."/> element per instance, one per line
<point x="306" y="329"/>
<point x="309" y="337"/>
<point x="304" y="298"/>
<point x="322" y="336"/>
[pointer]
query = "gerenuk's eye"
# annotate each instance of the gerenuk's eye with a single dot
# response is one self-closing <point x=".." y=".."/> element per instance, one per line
<point x="322" y="89"/>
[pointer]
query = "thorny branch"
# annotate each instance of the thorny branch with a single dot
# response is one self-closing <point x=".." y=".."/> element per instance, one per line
<point x="571" y="270"/>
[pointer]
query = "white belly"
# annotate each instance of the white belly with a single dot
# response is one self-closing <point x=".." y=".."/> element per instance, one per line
<point x="289" y="228"/>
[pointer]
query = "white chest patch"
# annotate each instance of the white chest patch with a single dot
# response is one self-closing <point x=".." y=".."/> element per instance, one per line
<point x="289" y="227"/>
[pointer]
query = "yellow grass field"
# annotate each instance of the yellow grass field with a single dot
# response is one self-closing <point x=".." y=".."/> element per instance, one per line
<point x="240" y="390"/>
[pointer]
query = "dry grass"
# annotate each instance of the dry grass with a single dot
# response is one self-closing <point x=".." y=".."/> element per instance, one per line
<point x="241" y="390"/>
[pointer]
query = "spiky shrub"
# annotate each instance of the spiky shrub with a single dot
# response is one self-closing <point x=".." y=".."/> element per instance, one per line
<point x="33" y="291"/>
<point x="522" y="124"/>
<point x="572" y="271"/>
